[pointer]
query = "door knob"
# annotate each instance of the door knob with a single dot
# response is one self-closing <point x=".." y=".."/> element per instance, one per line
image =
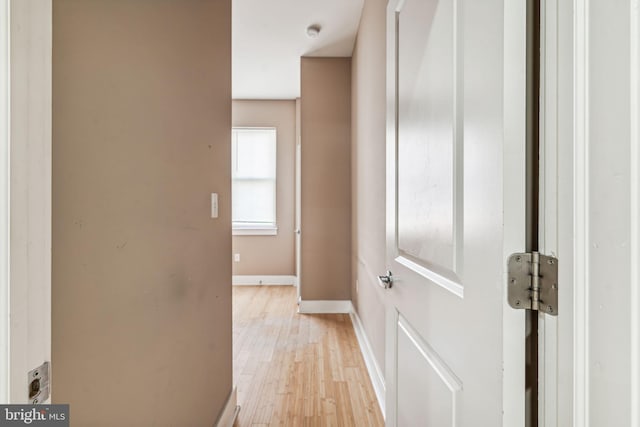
<point x="386" y="281"/>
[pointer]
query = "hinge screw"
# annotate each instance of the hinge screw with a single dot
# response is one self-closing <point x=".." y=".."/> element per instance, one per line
<point x="554" y="286"/>
<point x="518" y="258"/>
<point x="550" y="261"/>
<point x="518" y="302"/>
<point x="513" y="281"/>
<point x="550" y="309"/>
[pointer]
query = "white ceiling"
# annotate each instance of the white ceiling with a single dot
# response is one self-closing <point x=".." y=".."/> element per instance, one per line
<point x="269" y="37"/>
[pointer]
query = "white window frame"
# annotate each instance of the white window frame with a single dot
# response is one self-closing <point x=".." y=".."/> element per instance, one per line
<point x="259" y="229"/>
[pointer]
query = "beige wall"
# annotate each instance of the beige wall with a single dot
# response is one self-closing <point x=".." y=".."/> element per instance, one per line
<point x="271" y="255"/>
<point x="141" y="272"/>
<point x="368" y="172"/>
<point x="326" y="178"/>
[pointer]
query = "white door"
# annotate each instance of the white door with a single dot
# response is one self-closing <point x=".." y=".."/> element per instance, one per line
<point x="590" y="353"/>
<point x="455" y="211"/>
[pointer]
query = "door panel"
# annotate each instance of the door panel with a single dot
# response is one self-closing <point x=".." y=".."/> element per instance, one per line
<point x="426" y="126"/>
<point x="427" y="387"/>
<point x="455" y="190"/>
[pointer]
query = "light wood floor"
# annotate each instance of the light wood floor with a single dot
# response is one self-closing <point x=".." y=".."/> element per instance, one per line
<point x="297" y="369"/>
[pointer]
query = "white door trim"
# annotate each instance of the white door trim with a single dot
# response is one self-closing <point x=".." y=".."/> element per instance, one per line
<point x="230" y="410"/>
<point x="514" y="155"/>
<point x="548" y="205"/>
<point x="325" y="307"/>
<point x="567" y="171"/>
<point x="375" y="372"/>
<point x="298" y="207"/>
<point x="581" y="214"/>
<point x="30" y="190"/>
<point x="635" y="210"/>
<point x="4" y="200"/>
<point x="264" y="280"/>
<point x="564" y="27"/>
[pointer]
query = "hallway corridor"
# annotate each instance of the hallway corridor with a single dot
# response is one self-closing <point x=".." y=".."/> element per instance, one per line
<point x="297" y="370"/>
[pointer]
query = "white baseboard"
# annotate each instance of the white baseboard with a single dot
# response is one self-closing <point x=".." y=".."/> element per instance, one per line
<point x="375" y="373"/>
<point x="324" y="307"/>
<point x="264" y="280"/>
<point x="230" y="410"/>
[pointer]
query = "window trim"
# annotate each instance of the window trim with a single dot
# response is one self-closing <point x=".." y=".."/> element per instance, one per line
<point x="254" y="229"/>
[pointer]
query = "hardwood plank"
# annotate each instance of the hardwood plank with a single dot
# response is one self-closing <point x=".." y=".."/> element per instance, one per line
<point x="297" y="369"/>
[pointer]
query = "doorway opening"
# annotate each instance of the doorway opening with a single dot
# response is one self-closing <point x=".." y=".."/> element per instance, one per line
<point x="263" y="169"/>
<point x="533" y="191"/>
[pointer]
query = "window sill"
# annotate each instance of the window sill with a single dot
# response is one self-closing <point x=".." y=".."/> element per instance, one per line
<point x="255" y="230"/>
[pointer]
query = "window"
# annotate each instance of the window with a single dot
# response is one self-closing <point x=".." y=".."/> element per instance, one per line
<point x="253" y="155"/>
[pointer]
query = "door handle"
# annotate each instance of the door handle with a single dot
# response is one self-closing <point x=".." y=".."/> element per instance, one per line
<point x="386" y="282"/>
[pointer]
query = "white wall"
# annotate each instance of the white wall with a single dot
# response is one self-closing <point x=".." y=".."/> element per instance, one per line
<point x="30" y="211"/>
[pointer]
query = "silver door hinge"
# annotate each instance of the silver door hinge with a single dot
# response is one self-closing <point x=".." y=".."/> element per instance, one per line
<point x="533" y="282"/>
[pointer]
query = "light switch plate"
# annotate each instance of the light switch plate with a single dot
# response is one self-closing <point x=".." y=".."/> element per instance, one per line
<point x="214" y="205"/>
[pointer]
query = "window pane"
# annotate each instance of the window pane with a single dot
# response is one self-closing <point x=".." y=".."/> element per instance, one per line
<point x="254" y="175"/>
<point x="255" y="153"/>
<point x="254" y="201"/>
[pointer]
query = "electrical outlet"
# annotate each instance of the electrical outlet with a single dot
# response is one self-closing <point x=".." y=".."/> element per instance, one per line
<point x="236" y="257"/>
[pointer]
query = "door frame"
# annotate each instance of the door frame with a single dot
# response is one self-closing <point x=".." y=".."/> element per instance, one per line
<point x="564" y="210"/>
<point x="515" y="217"/>
<point x="298" y="202"/>
<point x="553" y="28"/>
<point x="562" y="375"/>
<point x="4" y="200"/>
<point x="25" y="192"/>
<point x="635" y="210"/>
